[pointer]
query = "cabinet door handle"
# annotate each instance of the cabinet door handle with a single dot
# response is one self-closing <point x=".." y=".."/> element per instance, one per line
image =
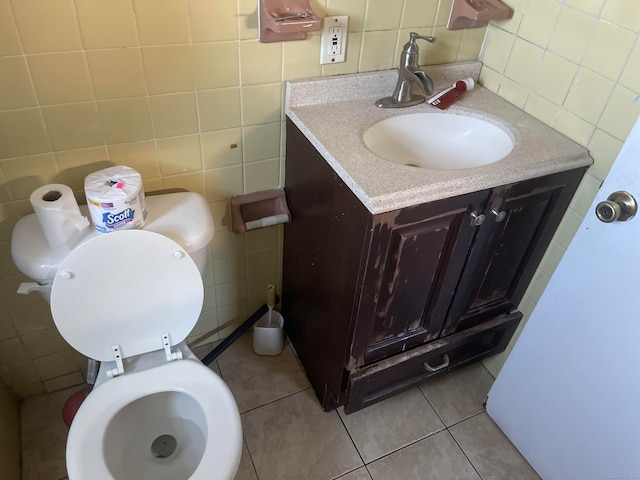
<point x="499" y="215"/>
<point x="477" y="219"/>
<point x="444" y="364"/>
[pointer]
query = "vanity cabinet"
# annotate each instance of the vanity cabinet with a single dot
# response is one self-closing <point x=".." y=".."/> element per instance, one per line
<point x="375" y="304"/>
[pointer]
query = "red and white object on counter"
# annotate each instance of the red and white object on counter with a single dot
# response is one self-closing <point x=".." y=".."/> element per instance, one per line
<point x="448" y="96"/>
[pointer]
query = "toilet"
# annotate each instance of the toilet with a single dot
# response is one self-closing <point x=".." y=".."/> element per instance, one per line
<point x="130" y="299"/>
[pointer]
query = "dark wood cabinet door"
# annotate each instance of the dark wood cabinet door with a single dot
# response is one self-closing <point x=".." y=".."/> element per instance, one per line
<point x="520" y="222"/>
<point x="415" y="257"/>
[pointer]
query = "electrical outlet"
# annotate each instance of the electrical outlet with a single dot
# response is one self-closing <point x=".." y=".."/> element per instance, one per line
<point x="333" y="44"/>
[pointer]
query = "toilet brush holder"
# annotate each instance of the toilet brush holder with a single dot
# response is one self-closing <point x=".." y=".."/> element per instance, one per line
<point x="269" y="339"/>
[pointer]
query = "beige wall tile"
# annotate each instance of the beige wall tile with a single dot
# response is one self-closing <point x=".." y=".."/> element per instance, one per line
<point x="623" y="13"/>
<point x="446" y="47"/>
<point x="216" y="65"/>
<point x="178" y="155"/>
<point x="383" y="15"/>
<point x="107" y="24"/>
<point x="141" y="156"/>
<point x="23" y="133"/>
<point x="378" y="50"/>
<point x="64" y="381"/>
<point x="60" y="77"/>
<point x="261" y="103"/>
<point x="554" y="78"/>
<point x="221" y="148"/>
<point x="573" y="127"/>
<point x="16" y="90"/>
<point x="587" y="191"/>
<point x="621" y="112"/>
<point x="355" y="9"/>
<point x="262" y="175"/>
<point x="125" y="120"/>
<point x="608" y="50"/>
<point x="630" y="77"/>
<point x="418" y="13"/>
<point x="567" y="228"/>
<point x="162" y="22"/>
<point x="231" y="293"/>
<point x="116" y="73"/>
<point x="261" y="142"/>
<point x="229" y="269"/>
<point x="227" y="244"/>
<point x="444" y="10"/>
<point x="46" y="25"/>
<point x="513" y="92"/>
<point x="513" y="23"/>
<point x="572" y="33"/>
<point x="260" y="62"/>
<point x="490" y="79"/>
<point x="174" y="114"/>
<point x="497" y="48"/>
<point x="222" y="183"/>
<point x="25" y="174"/>
<point x="302" y="59"/>
<point x="213" y="21"/>
<point x="192" y="182"/>
<point x="604" y="150"/>
<point x="592" y="7"/>
<point x="247" y="20"/>
<point x="471" y="44"/>
<point x="73" y="125"/>
<point x="9" y="39"/>
<point x="262" y="261"/>
<point x="542" y="109"/>
<point x="261" y="238"/>
<point x="588" y="95"/>
<point x="75" y="165"/>
<point x="538" y="21"/>
<point x="524" y="63"/>
<point x="219" y="109"/>
<point x="169" y="69"/>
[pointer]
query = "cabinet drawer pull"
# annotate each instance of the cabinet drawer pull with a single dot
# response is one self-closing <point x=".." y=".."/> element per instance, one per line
<point x="499" y="215"/>
<point x="477" y="219"/>
<point x="444" y="364"/>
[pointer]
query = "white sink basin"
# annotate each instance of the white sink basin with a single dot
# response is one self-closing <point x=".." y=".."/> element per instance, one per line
<point x="438" y="141"/>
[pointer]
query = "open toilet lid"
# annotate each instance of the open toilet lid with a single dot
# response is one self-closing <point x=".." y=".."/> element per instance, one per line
<point x="126" y="288"/>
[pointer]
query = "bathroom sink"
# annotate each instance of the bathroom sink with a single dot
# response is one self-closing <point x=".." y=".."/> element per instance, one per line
<point x="438" y="141"/>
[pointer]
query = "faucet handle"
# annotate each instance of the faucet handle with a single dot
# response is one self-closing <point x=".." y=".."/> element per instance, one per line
<point x="413" y="36"/>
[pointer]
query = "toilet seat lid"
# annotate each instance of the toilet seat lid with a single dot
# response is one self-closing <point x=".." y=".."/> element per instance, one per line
<point x="126" y="288"/>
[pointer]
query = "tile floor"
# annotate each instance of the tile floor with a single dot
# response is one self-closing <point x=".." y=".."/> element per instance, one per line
<point x="435" y="431"/>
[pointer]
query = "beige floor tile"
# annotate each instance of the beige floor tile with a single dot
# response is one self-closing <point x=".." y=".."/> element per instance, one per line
<point x="257" y="380"/>
<point x="245" y="469"/>
<point x="359" y="474"/>
<point x="391" y="424"/>
<point x="460" y="394"/>
<point x="44" y="436"/>
<point x="293" y="439"/>
<point x="490" y="451"/>
<point x="437" y="457"/>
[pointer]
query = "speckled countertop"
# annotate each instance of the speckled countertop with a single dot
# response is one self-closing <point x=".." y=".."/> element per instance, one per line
<point x="334" y="112"/>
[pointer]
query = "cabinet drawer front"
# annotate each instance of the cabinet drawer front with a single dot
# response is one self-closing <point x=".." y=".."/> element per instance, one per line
<point x="388" y="377"/>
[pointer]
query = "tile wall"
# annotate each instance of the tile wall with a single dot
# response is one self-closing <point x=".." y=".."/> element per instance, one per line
<point x="575" y="65"/>
<point x="181" y="91"/>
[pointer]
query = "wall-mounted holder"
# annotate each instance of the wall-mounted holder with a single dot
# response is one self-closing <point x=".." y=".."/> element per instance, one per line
<point x="259" y="209"/>
<point x="283" y="20"/>
<point x="476" y="13"/>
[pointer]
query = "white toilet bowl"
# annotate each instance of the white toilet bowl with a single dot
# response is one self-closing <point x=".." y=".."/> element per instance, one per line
<point x="129" y="299"/>
<point x="113" y="433"/>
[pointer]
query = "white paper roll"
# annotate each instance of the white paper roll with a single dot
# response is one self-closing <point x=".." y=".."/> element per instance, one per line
<point x="59" y="216"/>
<point x="115" y="198"/>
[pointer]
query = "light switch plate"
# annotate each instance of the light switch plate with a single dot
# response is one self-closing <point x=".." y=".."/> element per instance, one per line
<point x="333" y="44"/>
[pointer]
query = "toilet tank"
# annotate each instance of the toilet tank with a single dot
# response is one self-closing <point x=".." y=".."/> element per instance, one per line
<point x="184" y="217"/>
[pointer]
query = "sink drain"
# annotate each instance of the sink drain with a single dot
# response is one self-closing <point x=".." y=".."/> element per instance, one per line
<point x="164" y="446"/>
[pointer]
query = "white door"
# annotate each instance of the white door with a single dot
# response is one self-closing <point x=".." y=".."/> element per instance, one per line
<point x="568" y="396"/>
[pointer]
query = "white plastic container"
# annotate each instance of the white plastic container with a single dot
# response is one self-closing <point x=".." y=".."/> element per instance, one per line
<point x="269" y="340"/>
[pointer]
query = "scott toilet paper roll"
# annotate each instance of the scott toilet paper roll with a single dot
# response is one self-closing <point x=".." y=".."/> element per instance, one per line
<point x="115" y="198"/>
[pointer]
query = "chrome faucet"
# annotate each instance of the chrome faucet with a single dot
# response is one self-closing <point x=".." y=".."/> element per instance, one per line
<point x="409" y="75"/>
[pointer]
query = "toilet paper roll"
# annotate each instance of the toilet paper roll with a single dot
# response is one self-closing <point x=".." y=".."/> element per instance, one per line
<point x="59" y="216"/>
<point x="115" y="198"/>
